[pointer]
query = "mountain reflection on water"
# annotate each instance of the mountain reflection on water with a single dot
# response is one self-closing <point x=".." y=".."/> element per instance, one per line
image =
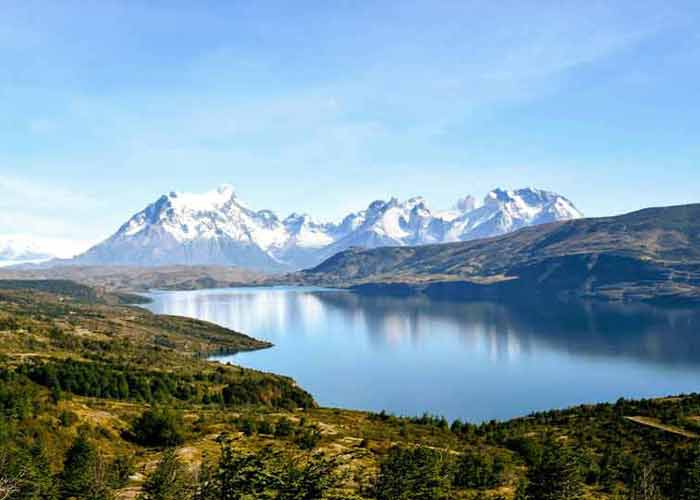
<point x="477" y="360"/>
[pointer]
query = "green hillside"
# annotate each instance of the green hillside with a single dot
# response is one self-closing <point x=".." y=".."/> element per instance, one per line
<point x="107" y="401"/>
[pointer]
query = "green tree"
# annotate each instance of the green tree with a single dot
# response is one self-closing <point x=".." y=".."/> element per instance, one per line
<point x="556" y="476"/>
<point x="644" y="486"/>
<point x="242" y="476"/>
<point x="414" y="474"/>
<point x="169" y="481"/>
<point x="284" y="428"/>
<point x="308" y="439"/>
<point x="84" y="473"/>
<point x="479" y="469"/>
<point x="11" y="477"/>
<point x="689" y="475"/>
<point x="307" y="479"/>
<point x="159" y="427"/>
<point x="521" y="491"/>
<point x="267" y="475"/>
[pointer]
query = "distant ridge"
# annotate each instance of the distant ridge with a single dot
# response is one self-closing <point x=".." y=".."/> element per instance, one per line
<point x="649" y="255"/>
<point x="216" y="228"/>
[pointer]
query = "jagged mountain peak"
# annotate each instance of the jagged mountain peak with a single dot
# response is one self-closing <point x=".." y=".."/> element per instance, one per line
<point x="209" y="201"/>
<point x="217" y="228"/>
<point x="466" y="204"/>
<point x="296" y="217"/>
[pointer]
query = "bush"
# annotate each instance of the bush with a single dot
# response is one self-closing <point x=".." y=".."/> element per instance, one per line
<point x="308" y="439"/>
<point x="267" y="475"/>
<point x="557" y="476"/>
<point x="84" y="473"/>
<point x="284" y="428"/>
<point x="414" y="474"/>
<point x="170" y="480"/>
<point x="248" y="426"/>
<point x="159" y="427"/>
<point x="266" y="427"/>
<point x="479" y="469"/>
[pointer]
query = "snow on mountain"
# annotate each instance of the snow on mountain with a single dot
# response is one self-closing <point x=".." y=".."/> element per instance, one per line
<point x="22" y="248"/>
<point x="16" y="248"/>
<point x="216" y="228"/>
<point x="506" y="211"/>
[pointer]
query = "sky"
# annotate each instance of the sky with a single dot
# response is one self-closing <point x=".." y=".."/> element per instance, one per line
<point x="322" y="107"/>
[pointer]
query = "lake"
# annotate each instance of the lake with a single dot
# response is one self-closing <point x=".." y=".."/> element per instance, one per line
<point x="474" y="361"/>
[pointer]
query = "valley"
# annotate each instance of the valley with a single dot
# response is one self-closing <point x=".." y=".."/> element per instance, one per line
<point x="120" y="387"/>
<point x="349" y="250"/>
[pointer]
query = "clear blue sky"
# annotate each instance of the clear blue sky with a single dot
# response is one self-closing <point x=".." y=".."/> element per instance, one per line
<point x="323" y="106"/>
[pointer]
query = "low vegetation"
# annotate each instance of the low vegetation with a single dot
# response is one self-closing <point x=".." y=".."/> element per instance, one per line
<point x="104" y="401"/>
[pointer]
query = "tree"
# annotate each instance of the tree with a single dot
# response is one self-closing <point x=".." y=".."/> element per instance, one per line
<point x="644" y="485"/>
<point x="267" y="475"/>
<point x="414" y="474"/>
<point x="159" y="427"/>
<point x="307" y="479"/>
<point x="521" y="491"/>
<point x="239" y="476"/>
<point x="308" y="439"/>
<point x="10" y="477"/>
<point x="479" y="469"/>
<point x="284" y="428"/>
<point x="84" y="472"/>
<point x="689" y="475"/>
<point x="556" y="476"/>
<point x="170" y="480"/>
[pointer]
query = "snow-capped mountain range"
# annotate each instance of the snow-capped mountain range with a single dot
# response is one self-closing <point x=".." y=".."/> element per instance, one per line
<point x="21" y="248"/>
<point x="216" y="228"/>
<point x="25" y="248"/>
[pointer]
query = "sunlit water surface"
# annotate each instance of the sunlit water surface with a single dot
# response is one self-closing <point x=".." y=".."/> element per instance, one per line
<point x="474" y="361"/>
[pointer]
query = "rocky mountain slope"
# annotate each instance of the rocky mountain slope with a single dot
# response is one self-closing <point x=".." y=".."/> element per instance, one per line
<point x="216" y="228"/>
<point x="653" y="254"/>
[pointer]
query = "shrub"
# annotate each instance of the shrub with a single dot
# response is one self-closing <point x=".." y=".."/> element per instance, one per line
<point x="479" y="469"/>
<point x="284" y="428"/>
<point x="308" y="439"/>
<point x="414" y="474"/>
<point x="170" y="480"/>
<point x="158" y="427"/>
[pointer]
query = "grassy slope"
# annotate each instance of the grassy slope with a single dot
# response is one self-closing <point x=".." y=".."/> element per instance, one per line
<point x="42" y="326"/>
